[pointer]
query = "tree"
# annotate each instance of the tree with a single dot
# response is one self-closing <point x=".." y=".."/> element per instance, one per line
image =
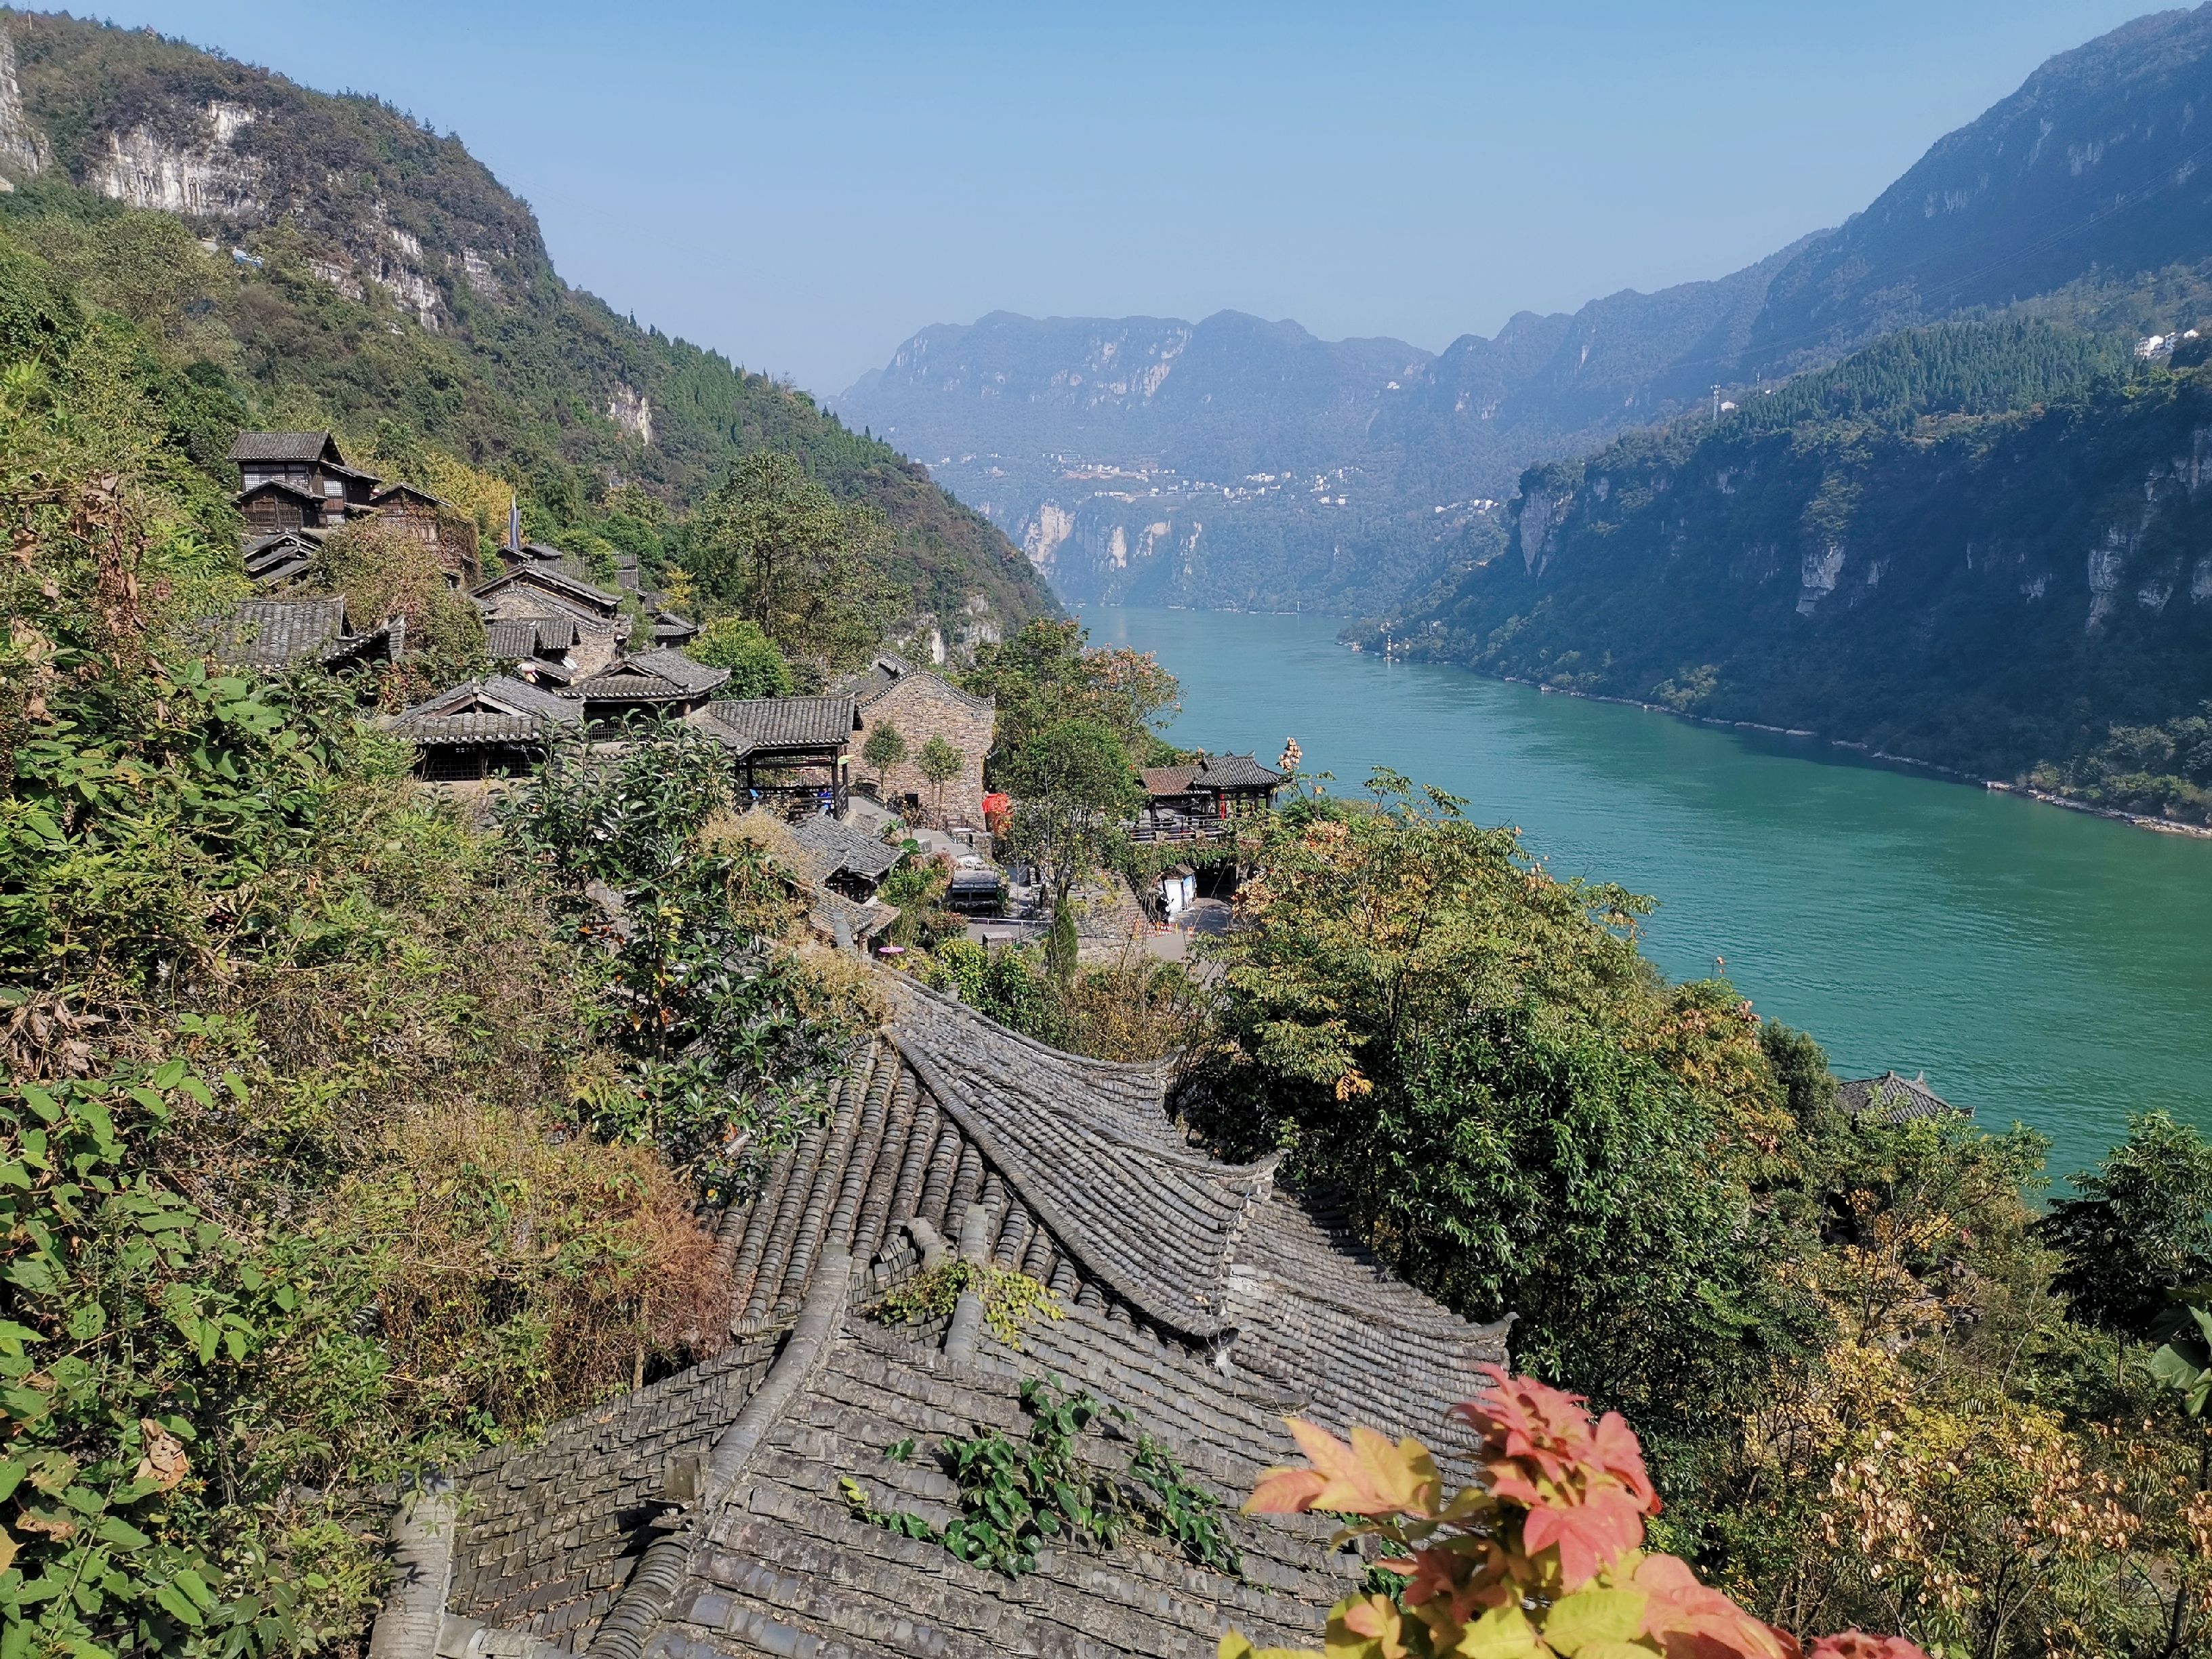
<point x="773" y="545"/>
<point x="756" y="668"/>
<point x="384" y="573"/>
<point x="2139" y="1228"/>
<point x="939" y="762"/>
<point x="885" y="749"/>
<point x="1047" y="672"/>
<point x="1515" y="1113"/>
<point x="1072" y="788"/>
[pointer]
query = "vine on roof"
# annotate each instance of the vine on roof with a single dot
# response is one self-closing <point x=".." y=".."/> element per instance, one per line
<point x="1017" y="1497"/>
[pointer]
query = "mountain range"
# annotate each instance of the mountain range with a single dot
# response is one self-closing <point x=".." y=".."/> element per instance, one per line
<point x="1238" y="462"/>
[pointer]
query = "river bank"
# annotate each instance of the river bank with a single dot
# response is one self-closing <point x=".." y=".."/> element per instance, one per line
<point x="2043" y="797"/>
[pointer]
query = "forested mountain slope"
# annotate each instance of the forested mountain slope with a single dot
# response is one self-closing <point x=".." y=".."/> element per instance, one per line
<point x="358" y="270"/>
<point x="1980" y="544"/>
<point x="2084" y="195"/>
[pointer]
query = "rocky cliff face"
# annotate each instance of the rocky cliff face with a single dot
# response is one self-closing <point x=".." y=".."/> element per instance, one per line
<point x="1987" y="592"/>
<point x="236" y="150"/>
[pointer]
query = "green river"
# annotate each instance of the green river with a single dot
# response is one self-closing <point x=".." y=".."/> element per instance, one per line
<point x="2038" y="964"/>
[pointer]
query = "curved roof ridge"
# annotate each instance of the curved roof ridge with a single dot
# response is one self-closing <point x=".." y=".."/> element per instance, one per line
<point x="1157" y="1224"/>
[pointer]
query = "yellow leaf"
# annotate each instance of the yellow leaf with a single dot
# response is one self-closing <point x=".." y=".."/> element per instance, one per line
<point x="1236" y="1645"/>
<point x="7" y="1550"/>
<point x="1503" y="1633"/>
<point x="1612" y="1650"/>
<point x="1577" y="1622"/>
<point x="1369" y="1477"/>
<point x="165" y="1463"/>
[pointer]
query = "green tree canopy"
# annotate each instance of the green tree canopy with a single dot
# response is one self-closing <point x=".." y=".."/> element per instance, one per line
<point x="756" y="668"/>
<point x="2139" y="1227"/>
<point x="885" y="749"/>
<point x="1048" y="672"/>
<point x="939" y="762"/>
<point x="772" y="545"/>
<point x="1073" y="787"/>
<point x="1517" y="1114"/>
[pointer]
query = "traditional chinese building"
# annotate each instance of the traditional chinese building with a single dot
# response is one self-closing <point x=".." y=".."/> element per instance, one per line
<point x="789" y="753"/>
<point x="271" y="634"/>
<point x="1201" y="801"/>
<point x="486" y="728"/>
<point x="536" y="593"/>
<point x="662" y="684"/>
<point x="703" y="1515"/>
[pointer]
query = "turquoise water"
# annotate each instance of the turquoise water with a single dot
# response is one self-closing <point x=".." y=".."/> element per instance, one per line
<point x="2038" y="964"/>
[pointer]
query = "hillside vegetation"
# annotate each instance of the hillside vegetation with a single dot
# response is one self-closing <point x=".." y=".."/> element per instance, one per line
<point x="361" y="272"/>
<point x="340" y="1136"/>
<point x="1979" y="545"/>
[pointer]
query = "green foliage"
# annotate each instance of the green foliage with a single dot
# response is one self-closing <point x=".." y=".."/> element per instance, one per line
<point x="2185" y="1364"/>
<point x="2138" y="1229"/>
<point x="163" y="1375"/>
<point x="1006" y="985"/>
<point x="1475" y="1056"/>
<point x="773" y="545"/>
<point x="885" y="749"/>
<point x="756" y="668"/>
<point x="1048" y="672"/>
<point x="1011" y="1299"/>
<point x="725" y="1068"/>
<point x="1073" y="787"/>
<point x="1017" y="1497"/>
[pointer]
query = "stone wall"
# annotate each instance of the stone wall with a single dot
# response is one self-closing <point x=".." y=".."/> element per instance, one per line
<point x="922" y="706"/>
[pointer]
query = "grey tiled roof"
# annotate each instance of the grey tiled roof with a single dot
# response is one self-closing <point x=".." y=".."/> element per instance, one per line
<point x="1167" y="780"/>
<point x="1898" y="1099"/>
<point x="669" y="629"/>
<point x="555" y="582"/>
<point x="404" y="488"/>
<point x="279" y="445"/>
<point x="270" y="633"/>
<point x="501" y="710"/>
<point x="650" y="677"/>
<point x="748" y="724"/>
<point x="775" y="1562"/>
<point x="841" y="847"/>
<point x="1234" y="772"/>
<point x="890" y="669"/>
<point x="511" y="641"/>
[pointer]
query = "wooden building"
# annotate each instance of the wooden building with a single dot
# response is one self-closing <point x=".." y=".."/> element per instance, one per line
<point x="892" y="691"/>
<point x="536" y="592"/>
<point x="788" y="753"/>
<point x="661" y="684"/>
<point x="296" y="480"/>
<point x="272" y="634"/>
<point x="483" y="729"/>
<point x="1201" y="801"/>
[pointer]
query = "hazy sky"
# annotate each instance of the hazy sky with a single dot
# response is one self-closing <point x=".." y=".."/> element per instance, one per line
<point x="804" y="185"/>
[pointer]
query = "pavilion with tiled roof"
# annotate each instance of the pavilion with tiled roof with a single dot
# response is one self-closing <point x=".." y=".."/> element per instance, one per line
<point x="701" y="1515"/>
<point x="794" y="750"/>
<point x="663" y="682"/>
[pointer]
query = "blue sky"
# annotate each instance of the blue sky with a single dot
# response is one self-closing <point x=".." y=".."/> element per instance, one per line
<point x="804" y="185"/>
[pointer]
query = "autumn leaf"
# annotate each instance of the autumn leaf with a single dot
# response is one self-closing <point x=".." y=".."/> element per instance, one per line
<point x="1577" y="1622"/>
<point x="1371" y="1476"/>
<point x="1696" y="1621"/>
<point x="165" y="1463"/>
<point x="1503" y="1633"/>
<point x="1588" y="1536"/>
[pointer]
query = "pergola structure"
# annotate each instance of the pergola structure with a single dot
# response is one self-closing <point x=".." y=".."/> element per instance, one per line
<point x="790" y="753"/>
